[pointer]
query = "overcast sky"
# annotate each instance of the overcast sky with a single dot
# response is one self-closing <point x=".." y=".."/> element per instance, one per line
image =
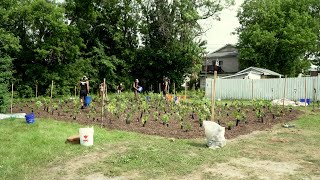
<point x="219" y="32"/>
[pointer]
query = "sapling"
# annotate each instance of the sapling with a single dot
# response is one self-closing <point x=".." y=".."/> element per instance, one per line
<point x="155" y="115"/>
<point x="165" y="119"/>
<point x="145" y="119"/>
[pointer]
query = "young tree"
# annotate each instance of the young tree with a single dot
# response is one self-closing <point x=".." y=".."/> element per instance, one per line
<point x="277" y="34"/>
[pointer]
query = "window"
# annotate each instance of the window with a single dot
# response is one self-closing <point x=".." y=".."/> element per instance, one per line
<point x="220" y="63"/>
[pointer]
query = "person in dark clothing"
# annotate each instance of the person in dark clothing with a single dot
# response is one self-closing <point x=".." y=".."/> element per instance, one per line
<point x="84" y="90"/>
<point x="119" y="88"/>
<point x="165" y="86"/>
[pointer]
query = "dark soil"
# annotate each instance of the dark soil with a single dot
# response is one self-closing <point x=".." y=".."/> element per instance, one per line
<point x="191" y="126"/>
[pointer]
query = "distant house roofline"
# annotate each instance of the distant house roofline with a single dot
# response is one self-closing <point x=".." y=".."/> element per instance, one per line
<point x="217" y="54"/>
<point x="263" y="71"/>
<point x="239" y="74"/>
<point x="223" y="48"/>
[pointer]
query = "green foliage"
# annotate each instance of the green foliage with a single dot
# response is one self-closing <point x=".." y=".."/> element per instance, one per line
<point x="117" y="40"/>
<point x="277" y="34"/>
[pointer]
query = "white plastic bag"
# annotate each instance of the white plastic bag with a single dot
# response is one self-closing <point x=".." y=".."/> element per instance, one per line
<point x="214" y="134"/>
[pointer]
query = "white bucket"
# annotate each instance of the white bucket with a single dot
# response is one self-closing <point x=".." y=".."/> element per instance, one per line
<point x="86" y="136"/>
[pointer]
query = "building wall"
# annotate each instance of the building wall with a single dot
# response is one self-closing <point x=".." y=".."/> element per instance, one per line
<point x="229" y="65"/>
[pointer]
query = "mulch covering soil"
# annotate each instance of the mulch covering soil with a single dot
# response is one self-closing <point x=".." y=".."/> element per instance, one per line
<point x="172" y="129"/>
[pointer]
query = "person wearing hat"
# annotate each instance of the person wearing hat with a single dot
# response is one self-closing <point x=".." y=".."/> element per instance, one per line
<point x="84" y="90"/>
<point x="136" y="87"/>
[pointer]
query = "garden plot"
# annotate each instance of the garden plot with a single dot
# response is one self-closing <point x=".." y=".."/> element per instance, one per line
<point x="152" y="114"/>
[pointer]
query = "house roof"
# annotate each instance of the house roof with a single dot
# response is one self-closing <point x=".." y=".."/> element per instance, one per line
<point x="265" y="72"/>
<point x="240" y="74"/>
<point x="218" y="53"/>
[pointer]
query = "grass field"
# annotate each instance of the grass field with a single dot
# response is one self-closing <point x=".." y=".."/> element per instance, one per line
<point x="38" y="151"/>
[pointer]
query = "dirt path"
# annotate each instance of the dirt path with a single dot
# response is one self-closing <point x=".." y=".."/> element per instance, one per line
<point x="71" y="170"/>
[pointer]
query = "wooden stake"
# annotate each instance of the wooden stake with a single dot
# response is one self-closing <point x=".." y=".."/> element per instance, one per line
<point x="252" y="90"/>
<point x="36" y="90"/>
<point x="106" y="87"/>
<point x="284" y="91"/>
<point x="314" y="93"/>
<point x="75" y="91"/>
<point x="159" y="87"/>
<point x="102" y="108"/>
<point x="51" y="88"/>
<point x="11" y="97"/>
<point x="174" y="89"/>
<point x="185" y="91"/>
<point x="213" y="95"/>
<point x="305" y="94"/>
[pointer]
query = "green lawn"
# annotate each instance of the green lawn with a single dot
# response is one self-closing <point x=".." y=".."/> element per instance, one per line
<point x="38" y="151"/>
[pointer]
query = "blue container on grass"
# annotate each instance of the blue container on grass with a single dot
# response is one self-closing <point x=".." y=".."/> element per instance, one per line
<point x="30" y="118"/>
<point x="303" y="100"/>
<point x="87" y="101"/>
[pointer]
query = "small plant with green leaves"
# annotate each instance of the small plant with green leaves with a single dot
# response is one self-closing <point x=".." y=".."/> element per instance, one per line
<point x="230" y="125"/>
<point x="260" y="114"/>
<point x="145" y="119"/>
<point x="165" y="119"/>
<point x="155" y="115"/>
<point x="187" y="126"/>
<point x="39" y="105"/>
<point x="239" y="116"/>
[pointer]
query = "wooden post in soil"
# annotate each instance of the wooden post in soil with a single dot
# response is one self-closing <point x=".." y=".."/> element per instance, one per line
<point x="11" y="97"/>
<point x="159" y="87"/>
<point x="185" y="91"/>
<point x="284" y="91"/>
<point x="174" y="89"/>
<point x="305" y="94"/>
<point x="37" y="90"/>
<point x="75" y="91"/>
<point x="105" y="88"/>
<point x="102" y="99"/>
<point x="51" y="89"/>
<point x="213" y="95"/>
<point x="314" y="93"/>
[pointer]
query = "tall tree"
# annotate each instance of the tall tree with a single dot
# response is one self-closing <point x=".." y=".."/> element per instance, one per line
<point x="169" y="30"/>
<point x="109" y="30"/>
<point x="276" y="34"/>
<point x="48" y="44"/>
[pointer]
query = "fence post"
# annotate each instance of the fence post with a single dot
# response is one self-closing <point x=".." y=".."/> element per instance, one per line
<point x="213" y="96"/>
<point x="314" y="93"/>
<point x="305" y="94"/>
<point x="252" y="90"/>
<point x="284" y="91"/>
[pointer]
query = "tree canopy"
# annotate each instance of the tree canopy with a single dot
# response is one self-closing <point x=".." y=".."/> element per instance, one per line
<point x="120" y="40"/>
<point x="278" y="34"/>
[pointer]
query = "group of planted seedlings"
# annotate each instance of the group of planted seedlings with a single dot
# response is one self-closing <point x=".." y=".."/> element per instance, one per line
<point x="154" y="107"/>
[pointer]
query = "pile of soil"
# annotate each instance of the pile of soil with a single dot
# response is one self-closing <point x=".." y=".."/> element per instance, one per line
<point x="172" y="129"/>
